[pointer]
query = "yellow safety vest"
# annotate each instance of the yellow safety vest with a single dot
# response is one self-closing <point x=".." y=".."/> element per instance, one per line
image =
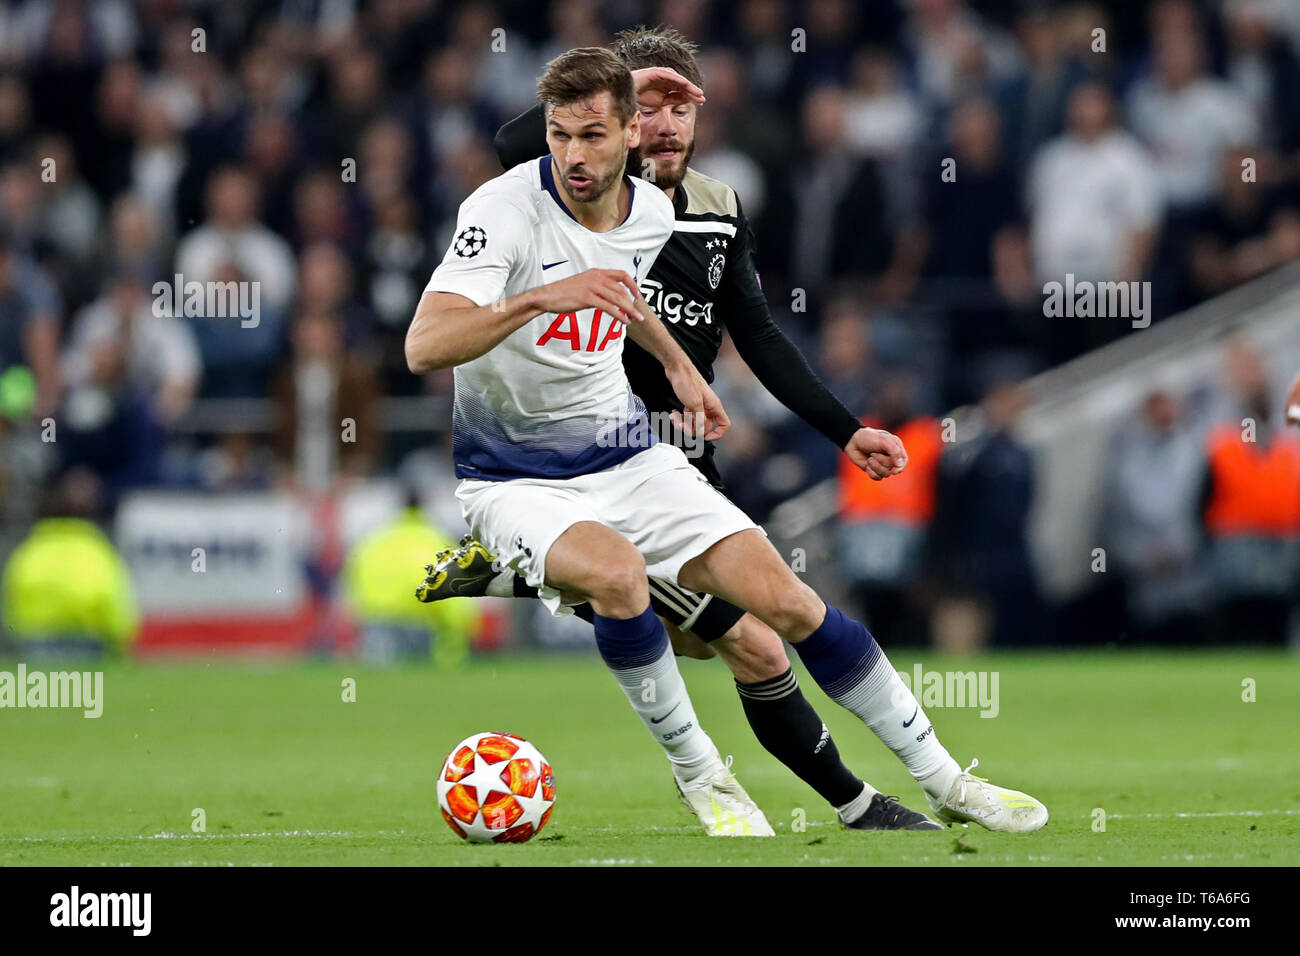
<point x="67" y="580"/>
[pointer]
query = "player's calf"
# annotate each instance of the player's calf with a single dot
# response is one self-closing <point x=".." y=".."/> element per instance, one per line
<point x="788" y="727"/>
<point x="752" y="651"/>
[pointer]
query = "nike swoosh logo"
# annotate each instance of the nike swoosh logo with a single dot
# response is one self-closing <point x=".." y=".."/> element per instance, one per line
<point x="908" y="722"/>
<point x="655" y="720"/>
<point x="551" y="265"/>
<point x="461" y="587"/>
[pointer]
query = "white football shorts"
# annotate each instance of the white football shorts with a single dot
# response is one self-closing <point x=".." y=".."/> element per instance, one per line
<point x="656" y="499"/>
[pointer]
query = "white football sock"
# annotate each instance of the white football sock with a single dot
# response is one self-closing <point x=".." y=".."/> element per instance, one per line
<point x="848" y="664"/>
<point x="658" y="695"/>
<point x="885" y="704"/>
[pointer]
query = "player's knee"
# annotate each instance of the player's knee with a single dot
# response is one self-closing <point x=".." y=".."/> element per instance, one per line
<point x="619" y="579"/>
<point x="796" y="612"/>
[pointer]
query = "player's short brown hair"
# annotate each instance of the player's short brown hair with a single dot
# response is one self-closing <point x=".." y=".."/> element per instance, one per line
<point x="642" y="47"/>
<point x="580" y="74"/>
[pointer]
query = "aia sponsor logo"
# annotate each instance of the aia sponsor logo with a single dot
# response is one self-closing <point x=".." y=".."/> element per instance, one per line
<point x="582" y="335"/>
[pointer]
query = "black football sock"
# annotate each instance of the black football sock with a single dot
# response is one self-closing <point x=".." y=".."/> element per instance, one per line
<point x="790" y="730"/>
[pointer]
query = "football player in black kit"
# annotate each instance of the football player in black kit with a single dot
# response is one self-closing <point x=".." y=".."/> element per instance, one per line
<point x="704" y="277"/>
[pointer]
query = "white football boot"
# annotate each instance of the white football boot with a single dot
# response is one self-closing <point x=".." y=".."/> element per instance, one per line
<point x="723" y="807"/>
<point x="973" y="799"/>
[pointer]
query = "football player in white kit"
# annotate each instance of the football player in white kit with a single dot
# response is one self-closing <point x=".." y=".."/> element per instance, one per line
<point x="530" y="305"/>
<point x="538" y="377"/>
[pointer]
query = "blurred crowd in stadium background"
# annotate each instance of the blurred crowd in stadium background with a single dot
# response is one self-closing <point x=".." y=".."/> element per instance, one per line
<point x="223" y="155"/>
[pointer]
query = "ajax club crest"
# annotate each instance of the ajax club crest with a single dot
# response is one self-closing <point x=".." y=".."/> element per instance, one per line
<point x="715" y="270"/>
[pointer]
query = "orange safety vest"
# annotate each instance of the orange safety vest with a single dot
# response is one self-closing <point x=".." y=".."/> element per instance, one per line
<point x="908" y="497"/>
<point x="1256" y="489"/>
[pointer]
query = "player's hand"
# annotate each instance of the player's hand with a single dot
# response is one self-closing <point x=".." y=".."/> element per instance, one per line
<point x="702" y="412"/>
<point x="612" y="291"/>
<point x="674" y="87"/>
<point x="877" y="452"/>
<point x="1292" y="403"/>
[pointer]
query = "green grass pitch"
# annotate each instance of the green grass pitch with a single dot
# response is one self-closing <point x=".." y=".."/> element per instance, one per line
<point x="286" y="772"/>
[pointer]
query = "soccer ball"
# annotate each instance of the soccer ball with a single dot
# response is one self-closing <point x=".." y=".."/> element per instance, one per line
<point x="496" y="788"/>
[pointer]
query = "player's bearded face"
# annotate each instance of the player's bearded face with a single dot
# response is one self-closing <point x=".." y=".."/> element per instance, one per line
<point x="590" y="147"/>
<point x="583" y="184"/>
<point x="670" y="157"/>
<point x="667" y="138"/>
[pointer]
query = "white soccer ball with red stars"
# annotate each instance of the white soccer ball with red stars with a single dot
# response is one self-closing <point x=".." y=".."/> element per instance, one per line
<point x="496" y="788"/>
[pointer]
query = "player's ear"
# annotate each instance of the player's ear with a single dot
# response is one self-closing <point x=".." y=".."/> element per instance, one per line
<point x="633" y="130"/>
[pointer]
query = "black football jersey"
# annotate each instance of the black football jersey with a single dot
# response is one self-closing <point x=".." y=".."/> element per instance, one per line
<point x="704" y="274"/>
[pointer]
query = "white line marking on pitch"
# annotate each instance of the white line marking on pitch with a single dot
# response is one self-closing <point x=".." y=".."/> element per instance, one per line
<point x="197" y="836"/>
<point x="244" y="836"/>
<point x="1210" y="813"/>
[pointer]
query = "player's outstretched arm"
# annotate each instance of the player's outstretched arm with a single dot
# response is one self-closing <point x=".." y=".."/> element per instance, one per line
<point x="451" y="329"/>
<point x="779" y="365"/>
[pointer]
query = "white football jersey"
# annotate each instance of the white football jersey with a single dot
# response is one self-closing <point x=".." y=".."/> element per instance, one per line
<point x="539" y="404"/>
